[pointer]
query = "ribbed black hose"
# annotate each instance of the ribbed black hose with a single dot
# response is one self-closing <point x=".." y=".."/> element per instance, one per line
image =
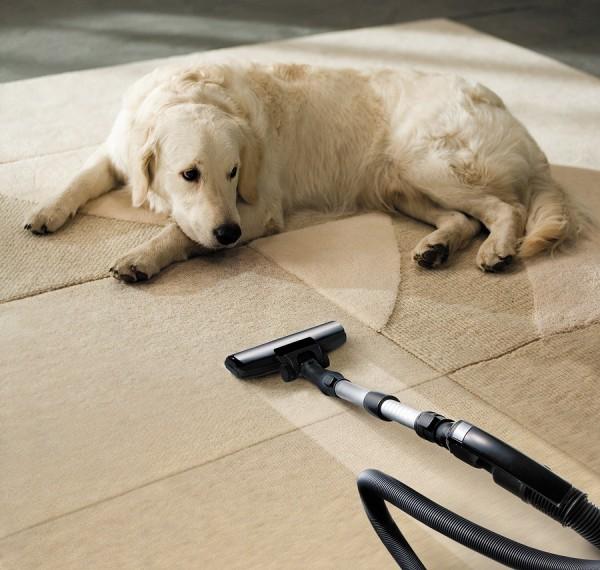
<point x="376" y="488"/>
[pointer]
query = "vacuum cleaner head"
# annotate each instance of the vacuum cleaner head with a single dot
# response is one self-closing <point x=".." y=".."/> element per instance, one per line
<point x="266" y="358"/>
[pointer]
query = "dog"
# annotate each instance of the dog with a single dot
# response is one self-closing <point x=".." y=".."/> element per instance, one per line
<point x="227" y="151"/>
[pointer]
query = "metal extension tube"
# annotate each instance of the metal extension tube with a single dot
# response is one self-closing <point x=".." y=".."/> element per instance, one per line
<point x="392" y="410"/>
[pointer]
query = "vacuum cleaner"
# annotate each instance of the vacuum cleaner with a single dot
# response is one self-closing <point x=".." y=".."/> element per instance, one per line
<point x="305" y="355"/>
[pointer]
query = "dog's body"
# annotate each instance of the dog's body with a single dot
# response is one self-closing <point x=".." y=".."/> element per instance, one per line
<point x="229" y="149"/>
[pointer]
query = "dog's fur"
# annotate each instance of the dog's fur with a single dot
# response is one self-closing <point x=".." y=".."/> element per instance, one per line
<point x="438" y="148"/>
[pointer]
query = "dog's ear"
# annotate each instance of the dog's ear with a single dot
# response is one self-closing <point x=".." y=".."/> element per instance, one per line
<point x="249" y="169"/>
<point x="143" y="169"/>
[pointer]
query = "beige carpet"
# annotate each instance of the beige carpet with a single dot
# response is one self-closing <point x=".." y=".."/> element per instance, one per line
<point x="83" y="251"/>
<point x="124" y="443"/>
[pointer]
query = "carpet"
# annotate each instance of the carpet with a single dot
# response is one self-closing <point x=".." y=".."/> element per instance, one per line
<point x="124" y="443"/>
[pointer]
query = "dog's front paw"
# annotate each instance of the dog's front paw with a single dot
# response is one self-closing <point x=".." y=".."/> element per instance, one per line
<point x="431" y="256"/>
<point x="493" y="257"/>
<point x="46" y="219"/>
<point x="131" y="269"/>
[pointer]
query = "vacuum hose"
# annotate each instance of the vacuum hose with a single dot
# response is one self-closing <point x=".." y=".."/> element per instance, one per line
<point x="377" y="488"/>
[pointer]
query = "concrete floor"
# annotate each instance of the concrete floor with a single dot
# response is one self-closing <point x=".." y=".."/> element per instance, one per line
<point x="39" y="38"/>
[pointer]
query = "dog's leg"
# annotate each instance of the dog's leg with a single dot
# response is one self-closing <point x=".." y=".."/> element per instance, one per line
<point x="506" y="224"/>
<point x="454" y="229"/>
<point x="172" y="245"/>
<point x="95" y="178"/>
<point x="148" y="259"/>
<point x="497" y="207"/>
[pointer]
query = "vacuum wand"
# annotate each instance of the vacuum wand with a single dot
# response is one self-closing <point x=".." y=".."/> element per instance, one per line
<point x="305" y="355"/>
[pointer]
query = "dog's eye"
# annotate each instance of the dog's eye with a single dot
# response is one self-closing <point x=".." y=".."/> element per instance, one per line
<point x="191" y="174"/>
<point x="233" y="172"/>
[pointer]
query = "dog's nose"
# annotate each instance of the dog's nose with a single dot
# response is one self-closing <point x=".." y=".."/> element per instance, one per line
<point x="227" y="233"/>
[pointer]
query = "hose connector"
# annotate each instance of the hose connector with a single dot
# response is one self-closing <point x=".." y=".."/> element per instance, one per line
<point x="433" y="427"/>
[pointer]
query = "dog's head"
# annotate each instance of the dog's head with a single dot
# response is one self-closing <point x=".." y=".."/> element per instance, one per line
<point x="200" y="160"/>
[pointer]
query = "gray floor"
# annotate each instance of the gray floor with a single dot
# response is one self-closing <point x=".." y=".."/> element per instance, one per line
<point x="39" y="38"/>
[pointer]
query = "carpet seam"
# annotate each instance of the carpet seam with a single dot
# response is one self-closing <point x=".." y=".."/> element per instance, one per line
<point x="399" y="252"/>
<point x="523" y="345"/>
<point x="80" y="211"/>
<point x="347" y="409"/>
<point x="52" y="289"/>
<point x="142" y="486"/>
<point x="35" y="156"/>
<point x="575" y="460"/>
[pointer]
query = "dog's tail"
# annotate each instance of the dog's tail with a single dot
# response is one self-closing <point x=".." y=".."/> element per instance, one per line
<point x="551" y="219"/>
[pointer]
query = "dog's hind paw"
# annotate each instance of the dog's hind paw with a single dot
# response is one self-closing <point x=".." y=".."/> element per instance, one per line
<point x="431" y="256"/>
<point x="498" y="265"/>
<point x="495" y="257"/>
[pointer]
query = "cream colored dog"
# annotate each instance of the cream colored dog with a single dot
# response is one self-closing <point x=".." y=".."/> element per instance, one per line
<point x="228" y="150"/>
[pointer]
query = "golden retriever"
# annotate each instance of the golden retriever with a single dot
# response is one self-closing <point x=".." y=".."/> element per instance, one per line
<point x="228" y="150"/>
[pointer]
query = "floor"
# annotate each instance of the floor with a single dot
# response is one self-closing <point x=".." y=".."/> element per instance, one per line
<point x="41" y="38"/>
<point x="126" y="444"/>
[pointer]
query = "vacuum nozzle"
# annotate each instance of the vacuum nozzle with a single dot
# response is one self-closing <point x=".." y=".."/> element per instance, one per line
<point x="266" y="358"/>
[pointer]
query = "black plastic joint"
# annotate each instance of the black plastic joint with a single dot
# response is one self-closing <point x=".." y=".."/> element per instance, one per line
<point x="372" y="403"/>
<point x="292" y="356"/>
<point x="323" y="379"/>
<point x="427" y="425"/>
<point x="329" y="380"/>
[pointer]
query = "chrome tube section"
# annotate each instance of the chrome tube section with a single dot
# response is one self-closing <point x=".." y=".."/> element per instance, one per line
<point x="392" y="410"/>
<point x="350" y="392"/>
<point x="399" y="412"/>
